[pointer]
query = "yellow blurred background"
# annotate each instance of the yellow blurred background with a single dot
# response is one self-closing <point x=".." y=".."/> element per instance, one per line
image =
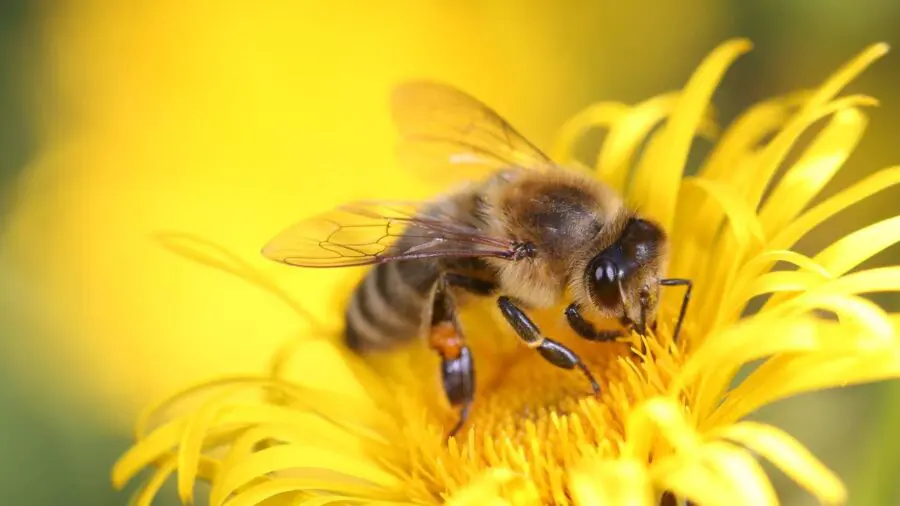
<point x="229" y="119"/>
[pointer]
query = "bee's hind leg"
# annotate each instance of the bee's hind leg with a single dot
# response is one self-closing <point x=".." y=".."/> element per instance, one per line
<point x="457" y="366"/>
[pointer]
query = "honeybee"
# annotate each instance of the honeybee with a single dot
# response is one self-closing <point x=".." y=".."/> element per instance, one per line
<point x="522" y="229"/>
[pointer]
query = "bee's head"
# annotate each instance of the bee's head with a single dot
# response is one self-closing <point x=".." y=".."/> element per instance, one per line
<point x="623" y="279"/>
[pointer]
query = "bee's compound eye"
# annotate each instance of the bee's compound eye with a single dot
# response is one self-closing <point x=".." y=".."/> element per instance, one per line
<point x="604" y="275"/>
<point x="605" y="271"/>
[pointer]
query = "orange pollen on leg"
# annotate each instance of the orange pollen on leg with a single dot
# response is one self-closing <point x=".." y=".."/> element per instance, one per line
<point x="445" y="340"/>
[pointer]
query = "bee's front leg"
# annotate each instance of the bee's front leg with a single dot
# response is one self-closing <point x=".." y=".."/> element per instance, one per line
<point x="554" y="352"/>
<point x="585" y="328"/>
<point x="457" y="366"/>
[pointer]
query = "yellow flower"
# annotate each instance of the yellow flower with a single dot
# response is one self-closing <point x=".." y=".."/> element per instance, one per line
<point x="327" y="426"/>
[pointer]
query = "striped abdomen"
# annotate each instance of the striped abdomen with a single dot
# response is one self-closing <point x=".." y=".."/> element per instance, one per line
<point x="387" y="307"/>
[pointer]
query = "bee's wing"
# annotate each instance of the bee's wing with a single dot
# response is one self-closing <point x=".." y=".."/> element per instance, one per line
<point x="447" y="133"/>
<point x="365" y="233"/>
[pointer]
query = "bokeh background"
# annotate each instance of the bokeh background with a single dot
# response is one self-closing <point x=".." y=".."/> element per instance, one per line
<point x="226" y="118"/>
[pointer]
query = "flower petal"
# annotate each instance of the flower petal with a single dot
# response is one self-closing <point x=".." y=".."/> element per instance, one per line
<point x="341" y="499"/>
<point x="701" y="218"/>
<point x="685" y="475"/>
<point x="857" y="247"/>
<point x="743" y="221"/>
<point x="618" y="482"/>
<point x="657" y="176"/>
<point x="486" y="488"/>
<point x="196" y="428"/>
<point x="783" y="376"/>
<point x="870" y="318"/>
<point x="773" y="154"/>
<point x="260" y="492"/>
<point x="739" y="292"/>
<point x="745" y="231"/>
<point x="779" y="282"/>
<point x="781" y="144"/>
<point x="819" y="162"/>
<point x="711" y="367"/>
<point x="746" y="133"/>
<point x="626" y="136"/>
<point x="881" y="279"/>
<point x="293" y="456"/>
<point x="600" y="115"/>
<point x="797" y="228"/>
<point x="149" y="489"/>
<point x="658" y="416"/>
<point x="715" y="474"/>
<point x="742" y="474"/>
<point x="790" y="456"/>
<point x="146" y="451"/>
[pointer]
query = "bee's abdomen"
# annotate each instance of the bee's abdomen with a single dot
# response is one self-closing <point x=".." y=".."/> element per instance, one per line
<point x="388" y="305"/>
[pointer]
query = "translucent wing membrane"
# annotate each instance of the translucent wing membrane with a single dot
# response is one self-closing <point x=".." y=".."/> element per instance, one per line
<point x="447" y="133"/>
<point x="369" y="232"/>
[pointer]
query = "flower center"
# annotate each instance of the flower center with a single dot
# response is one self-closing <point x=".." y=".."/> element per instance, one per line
<point x="529" y="416"/>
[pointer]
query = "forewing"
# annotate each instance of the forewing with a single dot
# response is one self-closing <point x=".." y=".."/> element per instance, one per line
<point x="447" y="133"/>
<point x="367" y="232"/>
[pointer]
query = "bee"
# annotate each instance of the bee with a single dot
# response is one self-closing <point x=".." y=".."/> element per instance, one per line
<point x="520" y="229"/>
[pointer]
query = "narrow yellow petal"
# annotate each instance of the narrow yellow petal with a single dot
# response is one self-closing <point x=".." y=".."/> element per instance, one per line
<point x="198" y="426"/>
<point x="600" y="115"/>
<point x="793" y="231"/>
<point x="336" y="499"/>
<point x="614" y="482"/>
<point x="147" y="492"/>
<point x="687" y="476"/>
<point x="790" y="456"/>
<point x="285" y="457"/>
<point x="268" y="489"/>
<point x="726" y="263"/>
<point x="783" y="376"/>
<point x="739" y="292"/>
<point x="658" y="416"/>
<point x="870" y="319"/>
<point x="625" y="136"/>
<point x="741" y="473"/>
<point x="845" y="253"/>
<point x="813" y="109"/>
<point x="743" y="222"/>
<point x="730" y="162"/>
<point x="855" y="248"/>
<point x="742" y="226"/>
<point x="712" y="366"/>
<point x="145" y="419"/>
<point x="486" y="489"/>
<point x="881" y="279"/>
<point x="774" y="153"/>
<point x="146" y="451"/>
<point x="746" y="133"/>
<point x="657" y="177"/>
<point x="819" y="162"/>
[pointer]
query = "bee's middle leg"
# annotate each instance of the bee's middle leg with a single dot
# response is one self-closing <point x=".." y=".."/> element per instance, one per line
<point x="554" y="352"/>
<point x="457" y="366"/>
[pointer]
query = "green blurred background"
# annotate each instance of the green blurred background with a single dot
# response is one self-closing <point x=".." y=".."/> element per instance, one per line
<point x="59" y="436"/>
